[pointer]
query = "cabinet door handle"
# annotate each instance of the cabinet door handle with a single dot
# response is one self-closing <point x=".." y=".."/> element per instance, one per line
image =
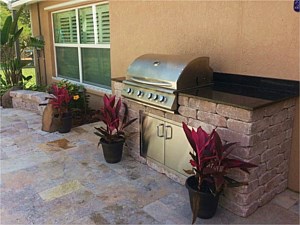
<point x="160" y="130"/>
<point x="169" y="135"/>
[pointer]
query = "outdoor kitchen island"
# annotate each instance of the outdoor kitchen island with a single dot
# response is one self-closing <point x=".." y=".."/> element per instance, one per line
<point x="261" y="121"/>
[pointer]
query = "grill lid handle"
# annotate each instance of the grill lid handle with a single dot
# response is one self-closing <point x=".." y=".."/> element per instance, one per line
<point x="165" y="84"/>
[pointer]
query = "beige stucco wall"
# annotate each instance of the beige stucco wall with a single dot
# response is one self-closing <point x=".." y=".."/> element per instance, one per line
<point x="244" y="37"/>
<point x="259" y="38"/>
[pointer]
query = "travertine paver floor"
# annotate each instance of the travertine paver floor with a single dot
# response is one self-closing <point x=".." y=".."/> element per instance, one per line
<point x="42" y="183"/>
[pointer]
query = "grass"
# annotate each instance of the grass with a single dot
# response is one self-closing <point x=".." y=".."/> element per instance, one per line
<point x="27" y="72"/>
<point x="30" y="72"/>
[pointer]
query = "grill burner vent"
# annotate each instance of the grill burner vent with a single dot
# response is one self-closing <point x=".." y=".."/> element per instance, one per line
<point x="154" y="79"/>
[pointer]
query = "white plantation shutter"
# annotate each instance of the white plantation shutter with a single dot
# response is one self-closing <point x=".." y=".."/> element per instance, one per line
<point x="65" y="27"/>
<point x="86" y="26"/>
<point x="103" y="25"/>
<point x="73" y="29"/>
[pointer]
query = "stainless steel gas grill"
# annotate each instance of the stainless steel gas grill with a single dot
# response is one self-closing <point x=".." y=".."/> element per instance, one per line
<point x="155" y="79"/>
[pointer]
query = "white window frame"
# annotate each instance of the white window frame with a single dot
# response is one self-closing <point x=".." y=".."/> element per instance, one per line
<point x="78" y="45"/>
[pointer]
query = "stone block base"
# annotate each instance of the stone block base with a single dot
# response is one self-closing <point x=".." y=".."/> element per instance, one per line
<point x="29" y="100"/>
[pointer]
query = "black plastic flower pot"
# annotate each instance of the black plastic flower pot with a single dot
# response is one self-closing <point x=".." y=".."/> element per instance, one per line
<point x="66" y="123"/>
<point x="112" y="151"/>
<point x="204" y="204"/>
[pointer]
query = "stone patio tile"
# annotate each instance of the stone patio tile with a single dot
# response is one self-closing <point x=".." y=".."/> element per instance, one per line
<point x="69" y="208"/>
<point x="268" y="214"/>
<point x="94" y="218"/>
<point x="16" y="181"/>
<point x="26" y="161"/>
<point x="126" y="212"/>
<point x="130" y="168"/>
<point x="164" y="214"/>
<point x="21" y="202"/>
<point x="152" y="188"/>
<point x="3" y="155"/>
<point x="6" y="141"/>
<point x="286" y="199"/>
<point x="16" y="151"/>
<point x="128" y="192"/>
<point x="12" y="218"/>
<point x="295" y="208"/>
<point x="179" y="203"/>
<point x="60" y="190"/>
<point x="87" y="153"/>
<point x="46" y="175"/>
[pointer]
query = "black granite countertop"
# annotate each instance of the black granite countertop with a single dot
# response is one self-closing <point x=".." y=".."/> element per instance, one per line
<point x="244" y="91"/>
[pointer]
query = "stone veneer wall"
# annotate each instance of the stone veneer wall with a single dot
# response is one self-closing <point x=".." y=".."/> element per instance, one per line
<point x="29" y="100"/>
<point x="264" y="136"/>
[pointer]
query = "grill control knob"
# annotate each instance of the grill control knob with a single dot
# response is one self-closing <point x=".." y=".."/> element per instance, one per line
<point x="149" y="96"/>
<point x="139" y="93"/>
<point x="161" y="98"/>
<point x="155" y="97"/>
<point x="129" y="90"/>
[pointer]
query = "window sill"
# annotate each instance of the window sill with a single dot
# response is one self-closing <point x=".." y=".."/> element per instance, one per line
<point x="89" y="88"/>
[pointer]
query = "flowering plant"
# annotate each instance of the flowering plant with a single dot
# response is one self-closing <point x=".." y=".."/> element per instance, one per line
<point x="60" y="98"/>
<point x="210" y="160"/>
<point x="114" y="121"/>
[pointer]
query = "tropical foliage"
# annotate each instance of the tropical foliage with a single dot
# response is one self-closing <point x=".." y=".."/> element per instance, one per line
<point x="11" y="64"/>
<point x="24" y="21"/>
<point x="80" y="98"/>
<point x="60" y="99"/>
<point x="210" y="162"/>
<point x="115" y="121"/>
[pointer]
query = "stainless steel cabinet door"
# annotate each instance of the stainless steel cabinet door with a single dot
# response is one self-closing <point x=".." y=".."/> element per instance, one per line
<point x="153" y="138"/>
<point x="177" y="149"/>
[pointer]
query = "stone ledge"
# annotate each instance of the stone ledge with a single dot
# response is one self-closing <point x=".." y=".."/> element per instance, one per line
<point x="29" y="100"/>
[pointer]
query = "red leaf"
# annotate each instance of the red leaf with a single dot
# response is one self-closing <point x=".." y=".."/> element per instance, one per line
<point x="236" y="163"/>
<point x="227" y="149"/>
<point x="218" y="144"/>
<point x="193" y="163"/>
<point x="219" y="181"/>
<point x="188" y="134"/>
<point x="118" y="107"/>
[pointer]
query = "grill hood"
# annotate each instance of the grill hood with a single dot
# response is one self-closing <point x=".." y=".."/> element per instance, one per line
<point x="155" y="80"/>
<point x="174" y="72"/>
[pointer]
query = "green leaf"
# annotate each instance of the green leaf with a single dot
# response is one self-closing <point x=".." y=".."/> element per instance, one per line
<point x="5" y="30"/>
<point x="3" y="82"/>
<point x="28" y="78"/>
<point x="98" y="134"/>
<point x="17" y="35"/>
<point x="16" y="18"/>
<point x="37" y="43"/>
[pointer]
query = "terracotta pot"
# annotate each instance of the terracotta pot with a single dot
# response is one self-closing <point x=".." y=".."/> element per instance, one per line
<point x="205" y="203"/>
<point x="112" y="151"/>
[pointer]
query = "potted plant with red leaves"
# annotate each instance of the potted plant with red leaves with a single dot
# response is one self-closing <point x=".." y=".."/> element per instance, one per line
<point x="210" y="168"/>
<point x="60" y="100"/>
<point x="112" y="135"/>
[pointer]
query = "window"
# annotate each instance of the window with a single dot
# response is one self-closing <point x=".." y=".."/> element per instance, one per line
<point x="82" y="44"/>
